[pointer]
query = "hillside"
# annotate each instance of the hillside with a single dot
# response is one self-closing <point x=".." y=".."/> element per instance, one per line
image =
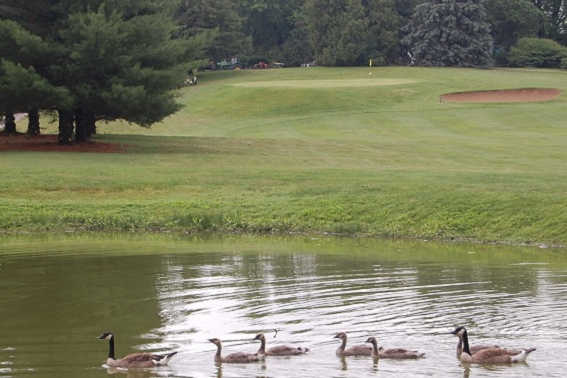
<point x="317" y="150"/>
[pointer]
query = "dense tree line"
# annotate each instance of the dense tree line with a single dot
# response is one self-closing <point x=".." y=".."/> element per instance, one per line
<point x="90" y="60"/>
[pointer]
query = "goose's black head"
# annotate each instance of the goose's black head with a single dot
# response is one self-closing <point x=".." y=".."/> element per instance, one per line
<point x="106" y="336"/>
<point x="215" y="341"/>
<point x="459" y="331"/>
<point x="371" y="340"/>
<point x="259" y="336"/>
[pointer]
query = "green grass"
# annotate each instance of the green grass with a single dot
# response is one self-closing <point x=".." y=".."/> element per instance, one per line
<point x="378" y="160"/>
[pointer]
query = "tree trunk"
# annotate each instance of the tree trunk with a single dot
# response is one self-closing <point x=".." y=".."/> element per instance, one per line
<point x="65" y="127"/>
<point x="33" y="122"/>
<point x="81" y="129"/>
<point x="91" y="123"/>
<point x="9" y="123"/>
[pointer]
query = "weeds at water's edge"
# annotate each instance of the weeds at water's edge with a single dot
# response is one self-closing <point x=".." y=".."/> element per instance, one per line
<point x="217" y="224"/>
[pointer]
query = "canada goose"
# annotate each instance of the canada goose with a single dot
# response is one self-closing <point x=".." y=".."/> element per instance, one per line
<point x="238" y="357"/>
<point x="134" y="360"/>
<point x="357" y="350"/>
<point x="490" y="355"/>
<point x="477" y="348"/>
<point x="280" y="350"/>
<point x="397" y="353"/>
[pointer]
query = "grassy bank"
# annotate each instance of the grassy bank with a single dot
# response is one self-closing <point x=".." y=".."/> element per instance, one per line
<point x="310" y="156"/>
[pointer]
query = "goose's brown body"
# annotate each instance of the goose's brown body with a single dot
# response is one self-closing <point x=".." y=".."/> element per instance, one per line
<point x="356" y="350"/>
<point x="280" y="350"/>
<point x="494" y="355"/>
<point x="395" y="353"/>
<point x="134" y="360"/>
<point x="235" y="358"/>
<point x="478" y="348"/>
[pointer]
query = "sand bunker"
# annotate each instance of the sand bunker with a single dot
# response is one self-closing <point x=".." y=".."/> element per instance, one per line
<point x="504" y="95"/>
<point x="370" y="82"/>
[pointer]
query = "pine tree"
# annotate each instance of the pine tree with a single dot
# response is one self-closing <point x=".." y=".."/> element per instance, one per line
<point x="34" y="15"/>
<point x="115" y="59"/>
<point x="122" y="66"/>
<point x="22" y="88"/>
<point x="26" y="58"/>
<point x="450" y="33"/>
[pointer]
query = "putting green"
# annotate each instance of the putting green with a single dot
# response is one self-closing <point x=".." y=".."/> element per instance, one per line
<point x="370" y="82"/>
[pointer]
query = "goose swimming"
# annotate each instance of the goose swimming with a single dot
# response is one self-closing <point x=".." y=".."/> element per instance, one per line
<point x="494" y="355"/>
<point x="356" y="350"/>
<point x="238" y="357"/>
<point x="134" y="360"/>
<point x="279" y="350"/>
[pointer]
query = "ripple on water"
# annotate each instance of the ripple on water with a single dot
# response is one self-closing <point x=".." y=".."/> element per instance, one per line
<point x="177" y="302"/>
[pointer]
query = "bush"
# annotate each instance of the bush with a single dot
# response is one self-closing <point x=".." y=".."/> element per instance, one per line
<point x="537" y="52"/>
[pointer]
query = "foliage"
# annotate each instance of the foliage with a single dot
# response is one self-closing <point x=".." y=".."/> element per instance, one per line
<point x="34" y="15"/>
<point x="120" y="68"/>
<point x="337" y="30"/>
<point x="117" y="60"/>
<point x="511" y="20"/>
<point x="450" y="33"/>
<point x="22" y="87"/>
<point x="537" y="52"/>
<point x="383" y="31"/>
<point x="216" y="20"/>
<point x="269" y="23"/>
<point x="297" y="48"/>
<point x="555" y="12"/>
<point x="121" y="59"/>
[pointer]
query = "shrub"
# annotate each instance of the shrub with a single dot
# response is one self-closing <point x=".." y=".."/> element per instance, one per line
<point x="537" y="52"/>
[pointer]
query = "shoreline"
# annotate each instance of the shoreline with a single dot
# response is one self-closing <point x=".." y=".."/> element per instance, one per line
<point x="292" y="234"/>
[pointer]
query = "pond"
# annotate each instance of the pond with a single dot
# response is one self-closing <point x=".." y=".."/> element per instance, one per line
<point x="173" y="294"/>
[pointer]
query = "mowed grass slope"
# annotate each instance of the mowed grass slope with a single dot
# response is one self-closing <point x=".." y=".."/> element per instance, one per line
<point x="316" y="155"/>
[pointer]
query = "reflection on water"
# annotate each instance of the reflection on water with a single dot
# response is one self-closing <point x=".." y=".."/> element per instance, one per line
<point x="174" y="295"/>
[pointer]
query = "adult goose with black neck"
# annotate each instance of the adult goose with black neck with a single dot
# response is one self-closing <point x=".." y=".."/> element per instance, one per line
<point x="493" y="355"/>
<point x="477" y="348"/>
<point x="134" y="360"/>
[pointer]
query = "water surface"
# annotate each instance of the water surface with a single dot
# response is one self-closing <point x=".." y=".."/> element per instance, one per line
<point x="168" y="294"/>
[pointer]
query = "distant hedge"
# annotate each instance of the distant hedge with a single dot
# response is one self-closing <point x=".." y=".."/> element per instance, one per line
<point x="538" y="52"/>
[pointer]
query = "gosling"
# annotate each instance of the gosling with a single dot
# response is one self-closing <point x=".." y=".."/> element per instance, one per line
<point x="235" y="358"/>
<point x="280" y="350"/>
<point x="357" y="350"/>
<point x="396" y="353"/>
